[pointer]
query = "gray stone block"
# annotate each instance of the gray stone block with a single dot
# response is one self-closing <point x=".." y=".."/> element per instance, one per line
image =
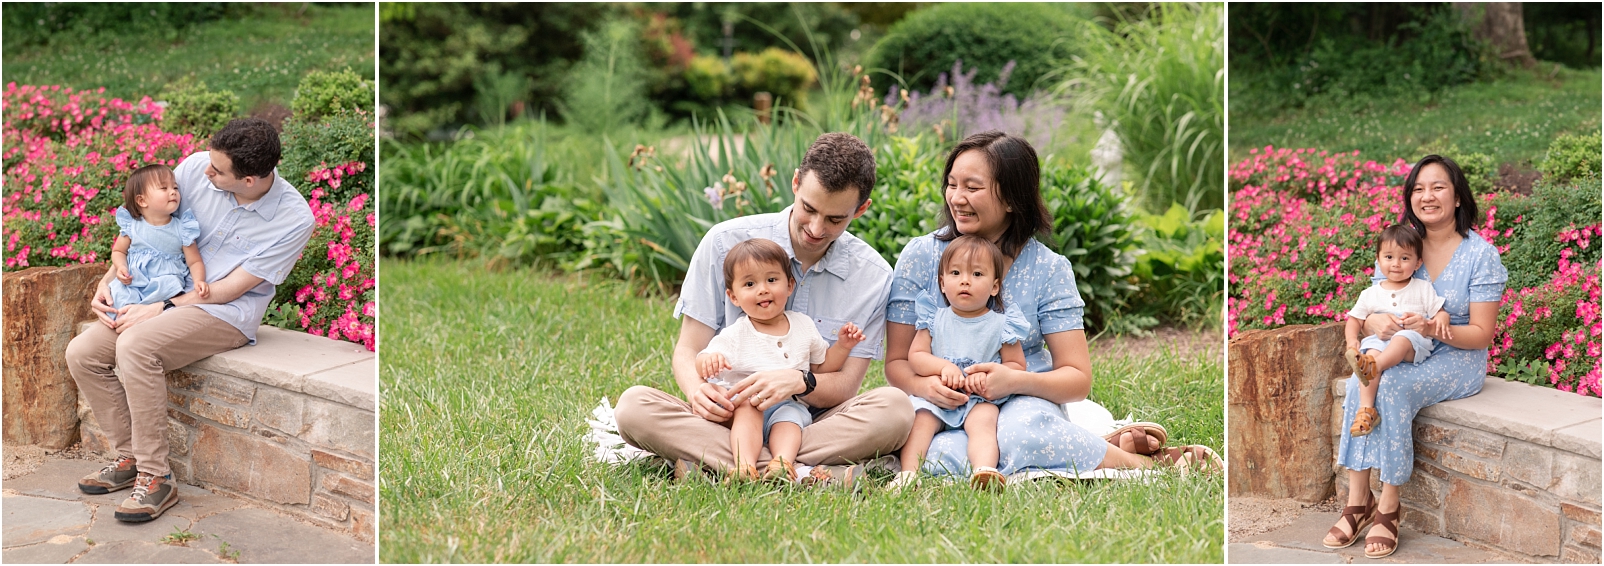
<point x="267" y="362"/>
<point x="279" y="410"/>
<point x="1577" y="478"/>
<point x="58" y="550"/>
<point x="1530" y="463"/>
<point x="261" y="536"/>
<point x="32" y="520"/>
<point x="356" y="384"/>
<point x="139" y="552"/>
<point x="230" y="390"/>
<point x="342" y="427"/>
<point x="1517" y="410"/>
<point x="1582" y="438"/>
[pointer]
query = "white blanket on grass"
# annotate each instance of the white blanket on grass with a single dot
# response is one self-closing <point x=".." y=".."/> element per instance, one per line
<point x="611" y="448"/>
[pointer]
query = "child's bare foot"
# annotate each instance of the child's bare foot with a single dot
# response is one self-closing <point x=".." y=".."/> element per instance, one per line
<point x="1364" y="366"/>
<point x="1364" y="422"/>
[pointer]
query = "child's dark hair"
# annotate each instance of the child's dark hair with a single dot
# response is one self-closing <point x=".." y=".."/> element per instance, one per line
<point x="136" y="186"/>
<point x="1403" y="236"/>
<point x="756" y="250"/>
<point x="966" y="246"/>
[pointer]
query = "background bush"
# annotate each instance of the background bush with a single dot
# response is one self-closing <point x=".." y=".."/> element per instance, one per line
<point x="194" y="109"/>
<point x="328" y="93"/>
<point x="1573" y="156"/>
<point x="928" y="42"/>
<point x="54" y="23"/>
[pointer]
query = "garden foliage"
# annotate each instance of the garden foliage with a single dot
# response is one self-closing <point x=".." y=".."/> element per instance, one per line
<point x="194" y="109"/>
<point x="330" y="93"/>
<point x="1304" y="225"/>
<point x="958" y="108"/>
<point x="930" y="41"/>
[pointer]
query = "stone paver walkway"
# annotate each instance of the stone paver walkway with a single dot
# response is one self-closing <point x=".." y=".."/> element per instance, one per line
<point x="47" y="520"/>
<point x="1299" y="543"/>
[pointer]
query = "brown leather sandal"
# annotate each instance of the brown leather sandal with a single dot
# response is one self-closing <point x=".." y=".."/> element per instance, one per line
<point x="1146" y="438"/>
<point x="780" y="472"/>
<point x="1364" y="422"/>
<point x="1387" y="521"/>
<point x="1190" y="456"/>
<point x="1358" y="517"/>
<point x="1364" y="366"/>
<point x="987" y="478"/>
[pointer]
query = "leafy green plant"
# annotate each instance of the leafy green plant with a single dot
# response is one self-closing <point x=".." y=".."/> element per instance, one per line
<point x="1534" y="372"/>
<point x="496" y="91"/>
<point x="1161" y="80"/>
<point x="194" y="109"/>
<point x="607" y="88"/>
<point x="1180" y="275"/>
<point x="338" y="138"/>
<point x="1572" y="156"/>
<point x="328" y="93"/>
<point x="1092" y="227"/>
<point x="708" y="77"/>
<point x="784" y="74"/>
<point x="179" y="537"/>
<point x="984" y="35"/>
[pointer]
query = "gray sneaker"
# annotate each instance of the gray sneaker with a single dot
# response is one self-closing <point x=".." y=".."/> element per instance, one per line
<point x="849" y="478"/>
<point x="152" y="495"/>
<point x="117" y="475"/>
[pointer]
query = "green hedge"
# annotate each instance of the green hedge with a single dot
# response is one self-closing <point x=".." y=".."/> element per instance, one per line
<point x="983" y="35"/>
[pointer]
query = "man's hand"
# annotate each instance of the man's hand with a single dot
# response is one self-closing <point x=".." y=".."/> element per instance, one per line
<point x="101" y="304"/>
<point x="203" y="289"/>
<point x="123" y="276"/>
<point x="764" y="389"/>
<point x="710" y="402"/>
<point x="849" y="336"/>
<point x="130" y="315"/>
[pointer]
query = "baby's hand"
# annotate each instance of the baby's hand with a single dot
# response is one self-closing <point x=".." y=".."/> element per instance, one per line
<point x="1442" y="328"/>
<point x="123" y="276"/>
<point x="952" y="377"/>
<point x="849" y="336"/>
<point x="203" y="289"/>
<point x="710" y="364"/>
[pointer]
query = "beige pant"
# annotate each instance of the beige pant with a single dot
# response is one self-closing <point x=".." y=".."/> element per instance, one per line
<point x="860" y="429"/>
<point x="133" y="412"/>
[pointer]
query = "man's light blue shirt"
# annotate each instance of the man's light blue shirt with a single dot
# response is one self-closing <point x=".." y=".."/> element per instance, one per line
<point x="264" y="238"/>
<point x="850" y="283"/>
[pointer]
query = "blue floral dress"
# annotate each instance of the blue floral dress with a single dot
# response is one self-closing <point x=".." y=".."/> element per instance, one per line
<point x="966" y="342"/>
<point x="156" y="259"/>
<point x="1032" y="433"/>
<point x="1473" y="275"/>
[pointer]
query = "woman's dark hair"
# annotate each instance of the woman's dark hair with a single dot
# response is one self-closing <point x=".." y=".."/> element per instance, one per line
<point x="136" y="184"/>
<point x="1017" y="172"/>
<point x="251" y="144"/>
<point x="967" y="246"/>
<point x="1403" y="236"/>
<point x="1464" y="215"/>
<point x="759" y="251"/>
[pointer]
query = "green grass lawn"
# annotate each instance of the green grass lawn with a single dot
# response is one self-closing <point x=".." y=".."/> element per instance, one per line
<point x="1513" y="120"/>
<point x="260" y="58"/>
<point x="487" y="378"/>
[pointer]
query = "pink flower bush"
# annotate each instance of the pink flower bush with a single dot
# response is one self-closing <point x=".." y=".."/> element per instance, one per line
<point x="338" y="301"/>
<point x="1303" y="230"/>
<point x="67" y="154"/>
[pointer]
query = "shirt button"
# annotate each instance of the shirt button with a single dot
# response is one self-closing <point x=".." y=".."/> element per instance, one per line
<point x="780" y="344"/>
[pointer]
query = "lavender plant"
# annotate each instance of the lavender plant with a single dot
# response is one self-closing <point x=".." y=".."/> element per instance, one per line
<point x="957" y="107"/>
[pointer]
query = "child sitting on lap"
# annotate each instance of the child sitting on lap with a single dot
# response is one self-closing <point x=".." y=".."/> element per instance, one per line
<point x="1398" y="257"/>
<point x="155" y="253"/>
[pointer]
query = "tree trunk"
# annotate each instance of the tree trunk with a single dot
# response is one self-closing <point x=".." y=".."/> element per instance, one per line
<point x="1502" y="25"/>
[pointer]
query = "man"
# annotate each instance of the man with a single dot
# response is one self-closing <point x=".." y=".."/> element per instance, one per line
<point x="839" y="279"/>
<point x="253" y="227"/>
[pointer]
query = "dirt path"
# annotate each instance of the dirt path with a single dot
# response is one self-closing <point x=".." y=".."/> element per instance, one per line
<point x="1181" y="341"/>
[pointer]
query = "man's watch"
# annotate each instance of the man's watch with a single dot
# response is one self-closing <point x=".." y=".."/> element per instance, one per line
<point x="167" y="304"/>
<point x="808" y="380"/>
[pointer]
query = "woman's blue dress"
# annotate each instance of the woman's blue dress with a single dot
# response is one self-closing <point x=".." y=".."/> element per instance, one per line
<point x="1474" y="275"/>
<point x="1032" y="433"/>
<point x="155" y="259"/>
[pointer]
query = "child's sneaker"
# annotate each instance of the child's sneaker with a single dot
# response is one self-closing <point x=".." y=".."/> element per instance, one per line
<point x="904" y="480"/>
<point x="1364" y="365"/>
<point x="119" y="474"/>
<point x="152" y="495"/>
<point x="1364" y="422"/>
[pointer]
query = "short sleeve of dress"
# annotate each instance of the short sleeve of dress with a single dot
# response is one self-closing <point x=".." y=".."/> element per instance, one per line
<point x="1015" y="328"/>
<point x="1487" y="281"/>
<point x="125" y="222"/>
<point x="188" y="227"/>
<point x="925" y="307"/>
<point x="1061" y="308"/>
<point x="914" y="266"/>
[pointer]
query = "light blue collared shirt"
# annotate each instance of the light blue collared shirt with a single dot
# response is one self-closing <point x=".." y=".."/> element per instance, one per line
<point x="264" y="238"/>
<point x="850" y="283"/>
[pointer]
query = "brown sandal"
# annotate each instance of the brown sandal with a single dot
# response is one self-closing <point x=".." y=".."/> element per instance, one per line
<point x="1387" y="521"/>
<point x="986" y="478"/>
<point x="1364" y="422"/>
<point x="1364" y="366"/>
<point x="780" y="472"/>
<point x="1358" y="517"/>
<point x="1190" y="456"/>
<point x="1146" y="438"/>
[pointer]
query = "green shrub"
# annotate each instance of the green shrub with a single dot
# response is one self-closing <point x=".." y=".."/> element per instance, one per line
<point x="337" y="139"/>
<point x="709" y="78"/>
<point x="194" y="109"/>
<point x="1093" y="227"/>
<point x="606" y="90"/>
<point x="986" y="36"/>
<point x="1181" y="273"/>
<point x="784" y="74"/>
<point x="1533" y="239"/>
<point x="1572" y="156"/>
<point x="326" y="93"/>
<point x="41" y="23"/>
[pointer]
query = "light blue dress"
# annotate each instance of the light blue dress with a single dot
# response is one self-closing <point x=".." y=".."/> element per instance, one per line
<point x="155" y="259"/>
<point x="965" y="342"/>
<point x="1032" y="433"/>
<point x="1474" y="275"/>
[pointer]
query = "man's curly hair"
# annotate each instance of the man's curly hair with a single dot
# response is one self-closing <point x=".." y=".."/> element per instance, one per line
<point x="251" y="143"/>
<point x="841" y="162"/>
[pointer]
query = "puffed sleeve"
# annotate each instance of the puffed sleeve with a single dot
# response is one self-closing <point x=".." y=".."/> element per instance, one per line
<point x="1061" y="309"/>
<point x="925" y="307"/>
<point x="1487" y="281"/>
<point x="188" y="227"/>
<point x="125" y="222"/>
<point x="911" y="277"/>
<point x="1015" y="328"/>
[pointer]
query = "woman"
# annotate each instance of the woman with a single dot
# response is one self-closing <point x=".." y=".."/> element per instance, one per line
<point x="1465" y="270"/>
<point x="993" y="191"/>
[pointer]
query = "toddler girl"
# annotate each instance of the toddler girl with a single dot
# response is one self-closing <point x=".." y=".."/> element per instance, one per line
<point x="757" y="278"/>
<point x="153" y="247"/>
<point x="975" y="329"/>
<point x="1397" y="258"/>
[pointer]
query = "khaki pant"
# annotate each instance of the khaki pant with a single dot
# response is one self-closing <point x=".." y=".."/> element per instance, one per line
<point x="864" y="427"/>
<point x="133" y="412"/>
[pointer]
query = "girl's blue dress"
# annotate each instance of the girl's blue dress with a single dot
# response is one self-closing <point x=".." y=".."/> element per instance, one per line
<point x="1473" y="275"/>
<point x="155" y="260"/>
<point x="965" y="342"/>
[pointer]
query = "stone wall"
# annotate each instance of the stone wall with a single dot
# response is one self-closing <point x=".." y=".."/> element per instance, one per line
<point x="42" y="309"/>
<point x="1515" y="467"/>
<point x="1279" y="392"/>
<point x="287" y="423"/>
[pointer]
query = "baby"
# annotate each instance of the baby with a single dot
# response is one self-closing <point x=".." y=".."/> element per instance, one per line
<point x="758" y="279"/>
<point x="1397" y="258"/>
<point x="155" y="253"/>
